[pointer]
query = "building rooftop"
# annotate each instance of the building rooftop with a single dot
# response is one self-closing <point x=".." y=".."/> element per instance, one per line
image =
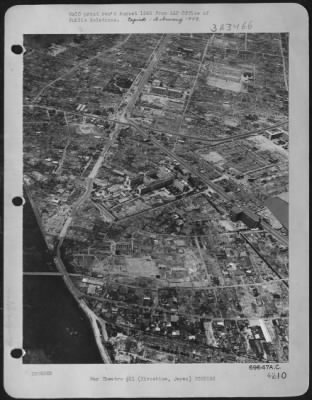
<point x="279" y="208"/>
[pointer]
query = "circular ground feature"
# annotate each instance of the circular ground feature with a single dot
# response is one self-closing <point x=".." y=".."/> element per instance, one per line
<point x="86" y="129"/>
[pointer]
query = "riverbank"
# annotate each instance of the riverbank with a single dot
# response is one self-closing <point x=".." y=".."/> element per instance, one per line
<point x="83" y="305"/>
<point x="97" y="334"/>
<point x="58" y="262"/>
<point x="55" y="330"/>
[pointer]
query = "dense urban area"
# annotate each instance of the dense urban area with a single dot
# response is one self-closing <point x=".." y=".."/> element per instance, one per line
<point x="157" y="168"/>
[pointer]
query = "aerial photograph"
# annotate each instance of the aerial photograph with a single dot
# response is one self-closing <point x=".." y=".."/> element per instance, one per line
<point x="155" y="228"/>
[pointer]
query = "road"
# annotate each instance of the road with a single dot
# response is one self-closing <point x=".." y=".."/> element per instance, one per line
<point x="284" y="63"/>
<point x="37" y="215"/>
<point x="79" y="65"/>
<point x="210" y="39"/>
<point x="138" y="84"/>
<point x="60" y="165"/>
<point x="123" y="121"/>
<point x="120" y="116"/>
<point x="105" y="213"/>
<point x="152" y="209"/>
<point x="78" y="296"/>
<point x="98" y="333"/>
<point x="207" y="181"/>
<point x="76" y="113"/>
<point x="275" y="234"/>
<point x="221" y="141"/>
<point x="48" y="274"/>
<point x="58" y="259"/>
<point x="170" y="342"/>
<point x="182" y="162"/>
<point x="202" y="258"/>
<point x="284" y="280"/>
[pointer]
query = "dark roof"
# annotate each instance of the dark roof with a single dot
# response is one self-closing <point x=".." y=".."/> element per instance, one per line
<point x="251" y="214"/>
<point x="279" y="208"/>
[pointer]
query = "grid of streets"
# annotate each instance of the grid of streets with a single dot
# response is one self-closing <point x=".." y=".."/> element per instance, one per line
<point x="157" y="168"/>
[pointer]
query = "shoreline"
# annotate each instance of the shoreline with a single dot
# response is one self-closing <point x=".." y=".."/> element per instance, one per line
<point x="82" y="304"/>
<point x="70" y="286"/>
<point x="138" y="84"/>
<point x="96" y="331"/>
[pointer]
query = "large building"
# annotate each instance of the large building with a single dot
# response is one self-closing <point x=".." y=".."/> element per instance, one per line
<point x="141" y="178"/>
<point x="235" y="214"/>
<point x="157" y="184"/>
<point x="159" y="90"/>
<point x="279" y="208"/>
<point x="275" y="133"/>
<point x="164" y="91"/>
<point x="175" y="93"/>
<point x="249" y="218"/>
<point x="185" y="50"/>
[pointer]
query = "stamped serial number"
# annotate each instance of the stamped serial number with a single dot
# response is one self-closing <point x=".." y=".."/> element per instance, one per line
<point x="40" y="373"/>
<point x="264" y="367"/>
<point x="274" y="370"/>
<point x="204" y="378"/>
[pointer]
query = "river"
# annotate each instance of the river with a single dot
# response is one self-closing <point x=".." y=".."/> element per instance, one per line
<point x="55" y="329"/>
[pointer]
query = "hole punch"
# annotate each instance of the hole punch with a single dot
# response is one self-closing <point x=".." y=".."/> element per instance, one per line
<point x="18" y="201"/>
<point x="17" y="49"/>
<point x="17" y="353"/>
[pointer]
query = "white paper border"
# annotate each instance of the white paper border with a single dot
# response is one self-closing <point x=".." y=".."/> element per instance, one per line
<point x="231" y="379"/>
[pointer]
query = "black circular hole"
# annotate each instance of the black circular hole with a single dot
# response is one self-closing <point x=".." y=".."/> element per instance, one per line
<point x="17" y="49"/>
<point x="17" y="353"/>
<point x="17" y="201"/>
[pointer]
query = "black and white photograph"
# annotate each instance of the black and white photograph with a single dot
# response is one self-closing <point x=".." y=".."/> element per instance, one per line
<point x="160" y="158"/>
<point x="156" y="177"/>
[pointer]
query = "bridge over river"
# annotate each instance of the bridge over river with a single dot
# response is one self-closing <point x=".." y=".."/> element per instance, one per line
<point x="48" y="274"/>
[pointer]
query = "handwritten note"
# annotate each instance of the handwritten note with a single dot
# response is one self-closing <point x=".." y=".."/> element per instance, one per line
<point x="174" y="16"/>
